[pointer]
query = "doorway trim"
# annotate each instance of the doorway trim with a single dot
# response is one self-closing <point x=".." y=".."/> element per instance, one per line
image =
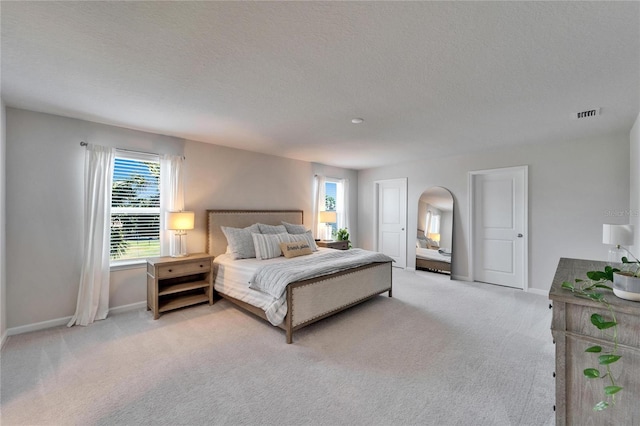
<point x="471" y="180"/>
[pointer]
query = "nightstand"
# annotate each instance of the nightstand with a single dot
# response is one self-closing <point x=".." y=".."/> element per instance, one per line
<point x="176" y="282"/>
<point x="338" y="245"/>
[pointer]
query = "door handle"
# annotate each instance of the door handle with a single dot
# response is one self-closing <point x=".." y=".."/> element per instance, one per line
<point x="520" y="235"/>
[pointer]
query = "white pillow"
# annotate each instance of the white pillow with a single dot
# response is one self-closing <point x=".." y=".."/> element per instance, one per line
<point x="240" y="241"/>
<point x="294" y="229"/>
<point x="272" y="229"/>
<point x="267" y="246"/>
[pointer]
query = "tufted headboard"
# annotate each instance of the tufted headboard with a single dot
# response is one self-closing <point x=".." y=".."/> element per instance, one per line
<point x="217" y="242"/>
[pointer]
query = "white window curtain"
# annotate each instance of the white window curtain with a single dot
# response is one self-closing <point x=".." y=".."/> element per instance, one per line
<point x="318" y="204"/>
<point x="342" y="203"/>
<point x="171" y="193"/>
<point x="93" y="294"/>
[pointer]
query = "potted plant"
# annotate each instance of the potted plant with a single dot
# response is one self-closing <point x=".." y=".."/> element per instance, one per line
<point x="626" y="283"/>
<point x="343" y="235"/>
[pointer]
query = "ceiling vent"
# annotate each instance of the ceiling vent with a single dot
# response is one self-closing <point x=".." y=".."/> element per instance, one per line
<point x="586" y="114"/>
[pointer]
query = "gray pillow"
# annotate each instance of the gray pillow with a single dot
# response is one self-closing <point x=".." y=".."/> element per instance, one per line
<point x="294" y="229"/>
<point x="240" y="241"/>
<point x="272" y="229"/>
<point x="268" y="245"/>
<point x="308" y="237"/>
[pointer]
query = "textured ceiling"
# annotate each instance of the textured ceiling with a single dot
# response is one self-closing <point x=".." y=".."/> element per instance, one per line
<point x="429" y="78"/>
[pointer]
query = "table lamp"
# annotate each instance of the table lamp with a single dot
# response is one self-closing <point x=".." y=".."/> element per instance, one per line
<point x="327" y="218"/>
<point x="617" y="236"/>
<point x="179" y="223"/>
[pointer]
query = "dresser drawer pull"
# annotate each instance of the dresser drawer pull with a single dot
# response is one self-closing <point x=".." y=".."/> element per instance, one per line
<point x="170" y="270"/>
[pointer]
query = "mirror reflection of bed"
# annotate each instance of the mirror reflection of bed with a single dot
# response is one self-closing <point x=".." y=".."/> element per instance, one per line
<point x="434" y="239"/>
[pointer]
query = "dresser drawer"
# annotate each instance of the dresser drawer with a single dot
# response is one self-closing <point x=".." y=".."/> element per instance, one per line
<point x="168" y="271"/>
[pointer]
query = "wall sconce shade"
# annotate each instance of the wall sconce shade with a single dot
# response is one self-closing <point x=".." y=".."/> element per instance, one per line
<point x="179" y="222"/>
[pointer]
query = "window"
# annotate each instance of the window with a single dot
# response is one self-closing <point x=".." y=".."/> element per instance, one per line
<point x="135" y="207"/>
<point x="334" y="201"/>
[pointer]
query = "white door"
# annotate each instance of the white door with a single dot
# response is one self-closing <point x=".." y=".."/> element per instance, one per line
<point x="499" y="221"/>
<point x="392" y="219"/>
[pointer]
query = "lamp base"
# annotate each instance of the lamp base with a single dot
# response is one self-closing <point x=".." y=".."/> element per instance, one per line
<point x="178" y="246"/>
<point x="615" y="255"/>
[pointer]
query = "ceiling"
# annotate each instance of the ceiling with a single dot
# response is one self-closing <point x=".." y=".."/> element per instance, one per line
<point x="430" y="79"/>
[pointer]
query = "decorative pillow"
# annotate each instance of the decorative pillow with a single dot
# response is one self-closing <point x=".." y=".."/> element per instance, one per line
<point x="294" y="229"/>
<point x="267" y="246"/>
<point x="308" y="237"/>
<point x="240" y="241"/>
<point x="295" y="248"/>
<point x="272" y="229"/>
<point x="421" y="243"/>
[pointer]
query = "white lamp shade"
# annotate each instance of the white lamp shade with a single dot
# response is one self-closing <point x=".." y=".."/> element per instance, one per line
<point x="434" y="236"/>
<point x="617" y="235"/>
<point x="179" y="221"/>
<point x="328" y="217"/>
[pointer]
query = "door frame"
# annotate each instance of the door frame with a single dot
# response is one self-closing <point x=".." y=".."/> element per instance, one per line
<point x="471" y="180"/>
<point x="376" y="204"/>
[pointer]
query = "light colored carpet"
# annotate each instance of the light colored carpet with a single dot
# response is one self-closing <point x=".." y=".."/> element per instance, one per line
<point x="439" y="352"/>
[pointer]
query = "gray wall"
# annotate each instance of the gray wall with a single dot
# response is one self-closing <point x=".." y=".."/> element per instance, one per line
<point x="572" y="186"/>
<point x="634" y="195"/>
<point x="3" y="239"/>
<point x="44" y="204"/>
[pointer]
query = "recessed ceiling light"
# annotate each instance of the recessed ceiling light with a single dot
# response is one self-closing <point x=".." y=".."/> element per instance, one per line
<point x="357" y="120"/>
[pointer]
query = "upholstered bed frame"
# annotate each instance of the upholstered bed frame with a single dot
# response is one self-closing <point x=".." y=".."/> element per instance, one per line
<point x="310" y="300"/>
<point x="432" y="265"/>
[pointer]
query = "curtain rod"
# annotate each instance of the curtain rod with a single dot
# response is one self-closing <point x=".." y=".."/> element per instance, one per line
<point x="83" y="143"/>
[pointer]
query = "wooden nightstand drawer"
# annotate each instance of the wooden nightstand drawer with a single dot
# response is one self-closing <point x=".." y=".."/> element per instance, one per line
<point x="200" y="266"/>
<point x="338" y="245"/>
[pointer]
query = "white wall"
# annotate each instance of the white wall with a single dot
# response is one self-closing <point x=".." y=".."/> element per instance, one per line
<point x="44" y="204"/>
<point x="634" y="189"/>
<point x="572" y="186"/>
<point x="3" y="238"/>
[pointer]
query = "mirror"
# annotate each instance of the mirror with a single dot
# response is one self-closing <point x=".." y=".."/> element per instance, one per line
<point x="434" y="240"/>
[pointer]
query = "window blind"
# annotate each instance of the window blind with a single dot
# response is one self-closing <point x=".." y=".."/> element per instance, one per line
<point x="135" y="207"/>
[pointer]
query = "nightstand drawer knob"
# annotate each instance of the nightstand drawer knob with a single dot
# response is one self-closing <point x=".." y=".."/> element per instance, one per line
<point x="202" y="266"/>
<point x="170" y="270"/>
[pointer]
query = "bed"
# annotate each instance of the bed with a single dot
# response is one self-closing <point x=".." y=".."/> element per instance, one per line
<point x="305" y="301"/>
<point x="434" y="260"/>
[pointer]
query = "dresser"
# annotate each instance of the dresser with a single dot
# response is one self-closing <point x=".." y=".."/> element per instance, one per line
<point x="573" y="333"/>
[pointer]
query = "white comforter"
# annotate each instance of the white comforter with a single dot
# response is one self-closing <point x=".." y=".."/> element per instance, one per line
<point x="233" y="277"/>
<point x="273" y="279"/>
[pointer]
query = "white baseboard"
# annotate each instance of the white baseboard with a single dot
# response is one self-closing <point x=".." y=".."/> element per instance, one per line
<point x="460" y="278"/>
<point x="539" y="292"/>
<point x="38" y="326"/>
<point x="64" y="321"/>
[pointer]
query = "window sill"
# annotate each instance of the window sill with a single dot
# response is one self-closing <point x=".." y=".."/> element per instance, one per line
<point x="127" y="264"/>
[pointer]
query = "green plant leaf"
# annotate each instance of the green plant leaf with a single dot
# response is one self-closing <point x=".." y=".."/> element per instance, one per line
<point x="608" y="359"/>
<point x="594" y="349"/>
<point x="592" y="373"/>
<point x="596" y="275"/>
<point x="600" y="323"/>
<point x="606" y="287"/>
<point x="611" y="390"/>
<point x="568" y="285"/>
<point x="602" y="405"/>
<point x="595" y="296"/>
